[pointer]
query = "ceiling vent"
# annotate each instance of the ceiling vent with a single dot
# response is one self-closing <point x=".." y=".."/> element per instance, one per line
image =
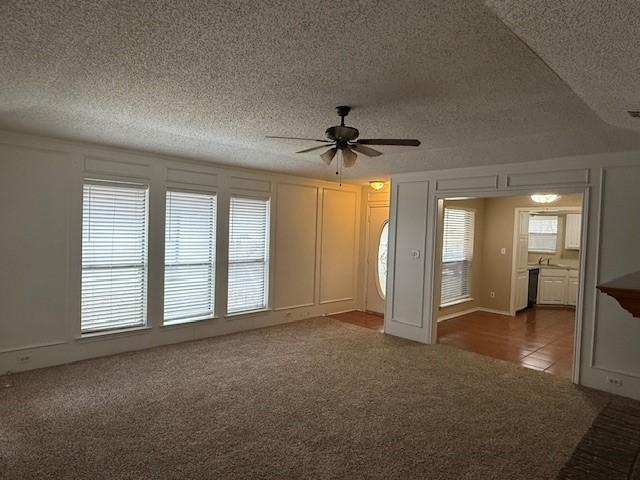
<point x="634" y="113"/>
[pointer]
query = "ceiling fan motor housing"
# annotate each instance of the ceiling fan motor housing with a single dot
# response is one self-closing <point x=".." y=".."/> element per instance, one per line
<point x="340" y="133"/>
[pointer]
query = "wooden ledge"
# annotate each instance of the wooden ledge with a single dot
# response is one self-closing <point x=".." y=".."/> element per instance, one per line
<point x="626" y="290"/>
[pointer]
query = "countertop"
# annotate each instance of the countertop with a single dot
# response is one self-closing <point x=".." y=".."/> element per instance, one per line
<point x="533" y="266"/>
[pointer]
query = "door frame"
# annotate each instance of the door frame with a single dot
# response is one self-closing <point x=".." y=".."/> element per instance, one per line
<point x="365" y="282"/>
<point x="584" y="190"/>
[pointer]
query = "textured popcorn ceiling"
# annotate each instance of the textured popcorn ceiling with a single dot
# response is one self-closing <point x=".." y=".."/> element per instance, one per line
<point x="592" y="45"/>
<point x="209" y="80"/>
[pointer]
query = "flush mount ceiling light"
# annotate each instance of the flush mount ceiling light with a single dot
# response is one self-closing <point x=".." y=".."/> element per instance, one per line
<point x="376" y="184"/>
<point x="545" y="197"/>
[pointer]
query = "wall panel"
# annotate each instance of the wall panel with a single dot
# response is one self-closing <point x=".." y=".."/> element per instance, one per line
<point x="409" y="252"/>
<point x="338" y="250"/>
<point x="35" y="189"/>
<point x="295" y="244"/>
<point x="616" y="339"/>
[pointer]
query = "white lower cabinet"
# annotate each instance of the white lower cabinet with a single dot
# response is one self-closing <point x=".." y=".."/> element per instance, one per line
<point x="558" y="286"/>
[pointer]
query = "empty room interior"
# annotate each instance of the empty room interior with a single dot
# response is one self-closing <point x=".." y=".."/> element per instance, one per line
<point x="319" y="240"/>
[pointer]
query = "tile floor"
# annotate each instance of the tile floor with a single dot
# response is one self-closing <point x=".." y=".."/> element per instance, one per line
<point x="540" y="338"/>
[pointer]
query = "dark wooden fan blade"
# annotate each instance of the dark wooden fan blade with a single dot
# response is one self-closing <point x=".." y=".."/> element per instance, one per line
<point x="348" y="158"/>
<point x="299" y="138"/>
<point x="369" y="152"/>
<point x="312" y="149"/>
<point x="327" y="156"/>
<point x="389" y="141"/>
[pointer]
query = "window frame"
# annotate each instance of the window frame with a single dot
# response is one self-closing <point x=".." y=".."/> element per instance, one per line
<point x="469" y="297"/>
<point x="268" y="254"/>
<point x="215" y="284"/>
<point x="557" y="234"/>
<point x="117" y="182"/>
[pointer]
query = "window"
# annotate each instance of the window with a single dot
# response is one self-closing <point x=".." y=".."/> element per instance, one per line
<point x="383" y="246"/>
<point x="543" y="233"/>
<point x="114" y="256"/>
<point x="457" y="253"/>
<point x="189" y="256"/>
<point x="248" y="254"/>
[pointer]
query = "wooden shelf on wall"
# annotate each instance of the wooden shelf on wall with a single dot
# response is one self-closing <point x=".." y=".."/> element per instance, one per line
<point x="626" y="290"/>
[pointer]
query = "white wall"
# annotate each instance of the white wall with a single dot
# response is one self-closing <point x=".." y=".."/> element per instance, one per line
<point x="314" y="258"/>
<point x="608" y="337"/>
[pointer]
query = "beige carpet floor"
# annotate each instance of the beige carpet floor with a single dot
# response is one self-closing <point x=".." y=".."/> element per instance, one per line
<point x="312" y="400"/>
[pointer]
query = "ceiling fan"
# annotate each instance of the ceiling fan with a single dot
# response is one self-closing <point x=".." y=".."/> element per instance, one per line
<point x="345" y="139"/>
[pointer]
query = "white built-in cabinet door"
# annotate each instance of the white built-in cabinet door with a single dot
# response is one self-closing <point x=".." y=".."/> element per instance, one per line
<point x="552" y="290"/>
<point x="572" y="288"/>
<point x="558" y="287"/>
<point x="572" y="231"/>
<point x="522" y="289"/>
<point x="572" y="292"/>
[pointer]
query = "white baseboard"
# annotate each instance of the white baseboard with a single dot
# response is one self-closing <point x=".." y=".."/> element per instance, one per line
<point x="498" y="312"/>
<point x="472" y="310"/>
<point x="458" y="314"/>
<point x="341" y="311"/>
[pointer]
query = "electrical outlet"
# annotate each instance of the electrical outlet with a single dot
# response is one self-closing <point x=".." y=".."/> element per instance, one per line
<point x="492" y="294"/>
<point x="24" y="359"/>
<point x="613" y="381"/>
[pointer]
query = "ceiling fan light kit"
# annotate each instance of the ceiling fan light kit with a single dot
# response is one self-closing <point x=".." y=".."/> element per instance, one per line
<point x="345" y="139"/>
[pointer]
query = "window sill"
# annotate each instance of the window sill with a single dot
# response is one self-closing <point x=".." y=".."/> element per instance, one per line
<point x="260" y="311"/>
<point x="108" y="334"/>
<point x="544" y="252"/>
<point x="188" y="322"/>
<point x="456" y="302"/>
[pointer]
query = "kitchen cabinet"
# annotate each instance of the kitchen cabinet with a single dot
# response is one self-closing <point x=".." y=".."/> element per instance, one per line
<point x="558" y="286"/>
<point x="572" y="291"/>
<point x="573" y="226"/>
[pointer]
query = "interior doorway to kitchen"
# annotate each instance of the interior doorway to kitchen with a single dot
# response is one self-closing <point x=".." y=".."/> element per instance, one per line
<point x="508" y="278"/>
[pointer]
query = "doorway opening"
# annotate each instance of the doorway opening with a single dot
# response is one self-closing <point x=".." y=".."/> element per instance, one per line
<point x="507" y="278"/>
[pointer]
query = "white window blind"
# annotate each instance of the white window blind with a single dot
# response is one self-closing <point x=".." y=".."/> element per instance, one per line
<point x="114" y="256"/>
<point x="190" y="253"/>
<point x="543" y="233"/>
<point x="457" y="253"/>
<point x="248" y="254"/>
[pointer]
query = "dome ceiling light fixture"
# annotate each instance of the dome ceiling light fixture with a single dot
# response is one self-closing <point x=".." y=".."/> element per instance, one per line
<point x="545" y="197"/>
<point x="376" y="184"/>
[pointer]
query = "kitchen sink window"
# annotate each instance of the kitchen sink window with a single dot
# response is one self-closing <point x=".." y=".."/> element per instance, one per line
<point x="543" y="233"/>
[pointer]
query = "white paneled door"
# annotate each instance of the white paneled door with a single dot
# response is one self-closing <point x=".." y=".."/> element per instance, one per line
<point x="378" y="225"/>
